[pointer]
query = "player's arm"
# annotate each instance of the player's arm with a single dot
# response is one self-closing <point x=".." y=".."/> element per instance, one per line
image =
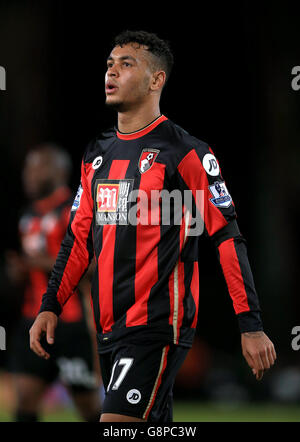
<point x="231" y="248"/>
<point x="199" y="170"/>
<point x="73" y="260"/>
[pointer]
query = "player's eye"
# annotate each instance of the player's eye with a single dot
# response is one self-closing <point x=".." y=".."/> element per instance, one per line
<point x="126" y="64"/>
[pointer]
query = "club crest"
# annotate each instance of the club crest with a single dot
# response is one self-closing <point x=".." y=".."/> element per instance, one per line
<point x="147" y="158"/>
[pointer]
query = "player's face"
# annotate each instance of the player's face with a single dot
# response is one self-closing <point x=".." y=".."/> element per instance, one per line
<point x="38" y="175"/>
<point x="128" y="77"/>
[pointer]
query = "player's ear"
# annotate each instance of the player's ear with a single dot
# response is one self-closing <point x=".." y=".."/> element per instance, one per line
<point x="158" y="80"/>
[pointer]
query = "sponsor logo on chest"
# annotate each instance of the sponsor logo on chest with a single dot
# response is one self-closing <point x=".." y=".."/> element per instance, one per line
<point x="111" y="201"/>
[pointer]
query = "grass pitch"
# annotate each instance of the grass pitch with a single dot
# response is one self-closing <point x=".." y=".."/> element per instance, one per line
<point x="199" y="412"/>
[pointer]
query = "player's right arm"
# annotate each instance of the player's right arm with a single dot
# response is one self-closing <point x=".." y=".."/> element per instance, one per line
<point x="72" y="262"/>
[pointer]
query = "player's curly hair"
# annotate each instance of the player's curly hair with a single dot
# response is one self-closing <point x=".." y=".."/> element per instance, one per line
<point x="156" y="46"/>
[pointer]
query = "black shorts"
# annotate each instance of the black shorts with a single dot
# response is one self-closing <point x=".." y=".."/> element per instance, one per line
<point x="138" y="380"/>
<point x="71" y="356"/>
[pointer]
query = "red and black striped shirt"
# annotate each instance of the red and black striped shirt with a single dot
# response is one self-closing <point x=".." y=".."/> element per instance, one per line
<point x="146" y="281"/>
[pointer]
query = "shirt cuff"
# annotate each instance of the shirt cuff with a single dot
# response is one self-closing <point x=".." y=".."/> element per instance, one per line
<point x="50" y="305"/>
<point x="250" y="321"/>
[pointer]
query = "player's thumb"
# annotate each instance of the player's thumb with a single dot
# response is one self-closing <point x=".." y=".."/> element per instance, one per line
<point x="50" y="333"/>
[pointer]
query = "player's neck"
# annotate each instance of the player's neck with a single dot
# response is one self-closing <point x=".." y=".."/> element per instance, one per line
<point x="133" y="120"/>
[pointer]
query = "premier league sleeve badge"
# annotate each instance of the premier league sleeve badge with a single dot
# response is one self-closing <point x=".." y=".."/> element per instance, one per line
<point x="221" y="197"/>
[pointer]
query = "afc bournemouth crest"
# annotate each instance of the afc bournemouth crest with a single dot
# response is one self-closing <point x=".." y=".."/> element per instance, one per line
<point x="147" y="158"/>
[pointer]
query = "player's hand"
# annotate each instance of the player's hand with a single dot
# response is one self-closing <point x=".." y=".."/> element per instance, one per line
<point x="258" y="351"/>
<point x="45" y="323"/>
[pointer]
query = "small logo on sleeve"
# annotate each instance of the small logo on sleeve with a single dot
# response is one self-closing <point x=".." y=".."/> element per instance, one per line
<point x="221" y="197"/>
<point x="147" y="158"/>
<point x="97" y="162"/>
<point x="211" y="165"/>
<point x="77" y="199"/>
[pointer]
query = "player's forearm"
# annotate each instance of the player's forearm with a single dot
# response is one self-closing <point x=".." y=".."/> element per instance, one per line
<point x="70" y="266"/>
<point x="50" y="303"/>
<point x="239" y="279"/>
<point x="57" y="289"/>
<point x="60" y="289"/>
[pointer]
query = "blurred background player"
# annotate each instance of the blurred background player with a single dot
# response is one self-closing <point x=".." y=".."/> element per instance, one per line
<point x="42" y="227"/>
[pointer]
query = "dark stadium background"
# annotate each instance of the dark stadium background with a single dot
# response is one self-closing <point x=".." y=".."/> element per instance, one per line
<point x="231" y="87"/>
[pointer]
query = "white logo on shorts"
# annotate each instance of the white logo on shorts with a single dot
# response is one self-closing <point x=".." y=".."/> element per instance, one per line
<point x="133" y="396"/>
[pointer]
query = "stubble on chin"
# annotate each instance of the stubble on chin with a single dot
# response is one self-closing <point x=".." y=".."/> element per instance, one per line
<point x="115" y="105"/>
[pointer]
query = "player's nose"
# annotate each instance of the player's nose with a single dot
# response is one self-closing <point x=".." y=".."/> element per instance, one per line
<point x="112" y="71"/>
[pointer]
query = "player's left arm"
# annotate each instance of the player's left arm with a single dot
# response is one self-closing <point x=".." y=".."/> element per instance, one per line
<point x="199" y="170"/>
<point x="257" y="348"/>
